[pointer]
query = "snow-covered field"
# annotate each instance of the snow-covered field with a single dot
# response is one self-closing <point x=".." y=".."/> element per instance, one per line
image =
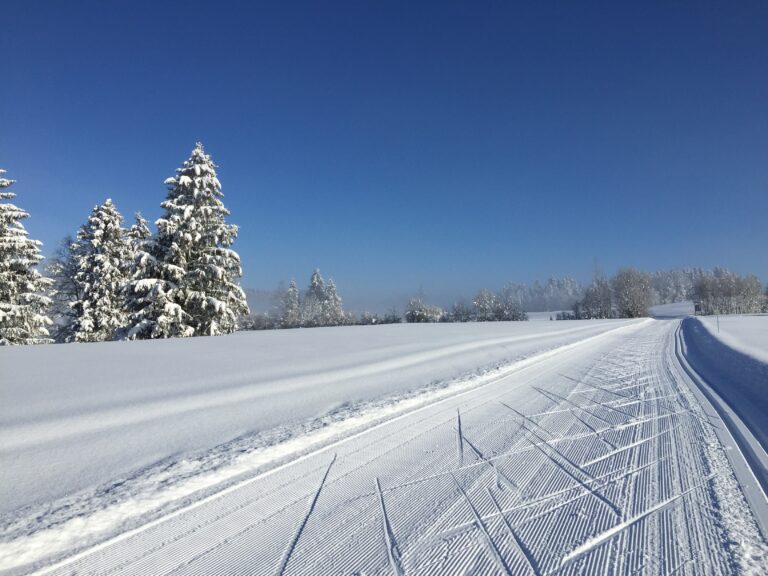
<point x="424" y="449"/>
<point x="128" y="429"/>
<point x="747" y="333"/>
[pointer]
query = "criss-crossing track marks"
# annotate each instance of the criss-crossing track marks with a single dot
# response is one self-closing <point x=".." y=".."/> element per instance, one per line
<point x="594" y="461"/>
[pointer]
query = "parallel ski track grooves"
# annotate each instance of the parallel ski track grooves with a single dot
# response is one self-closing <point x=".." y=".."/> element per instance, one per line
<point x="608" y="534"/>
<point x="646" y="457"/>
<point x="289" y="549"/>
<point x="500" y="477"/>
<point x="522" y="548"/>
<point x="392" y="551"/>
<point x="487" y="539"/>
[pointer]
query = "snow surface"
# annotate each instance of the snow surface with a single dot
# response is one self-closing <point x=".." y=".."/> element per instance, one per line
<point x="542" y="316"/>
<point x="592" y="457"/>
<point x="673" y="310"/>
<point x="79" y="416"/>
<point x="747" y="333"/>
<point x="738" y="378"/>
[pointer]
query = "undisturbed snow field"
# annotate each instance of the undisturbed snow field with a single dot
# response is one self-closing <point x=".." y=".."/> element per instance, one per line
<point x="747" y="333"/>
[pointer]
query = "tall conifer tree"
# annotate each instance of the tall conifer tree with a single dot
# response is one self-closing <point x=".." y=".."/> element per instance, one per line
<point x="23" y="302"/>
<point x="103" y="256"/>
<point x="193" y="244"/>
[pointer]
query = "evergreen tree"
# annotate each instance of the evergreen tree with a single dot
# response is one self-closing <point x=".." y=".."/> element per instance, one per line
<point x="193" y="241"/>
<point x="333" y="313"/>
<point x="103" y="255"/>
<point x="139" y="232"/>
<point x="23" y="302"/>
<point x="314" y="300"/>
<point x="62" y="270"/>
<point x="290" y="309"/>
<point x="152" y="313"/>
<point x="316" y="288"/>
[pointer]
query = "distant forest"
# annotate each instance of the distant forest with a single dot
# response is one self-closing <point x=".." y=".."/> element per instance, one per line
<point x="628" y="294"/>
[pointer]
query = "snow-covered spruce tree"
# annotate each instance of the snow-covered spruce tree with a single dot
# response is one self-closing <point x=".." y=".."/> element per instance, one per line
<point x="313" y="302"/>
<point x="139" y="232"/>
<point x="289" y="312"/>
<point x="194" y="242"/>
<point x="103" y="256"/>
<point x="151" y="311"/>
<point x="65" y="291"/>
<point x="333" y="313"/>
<point x="23" y="302"/>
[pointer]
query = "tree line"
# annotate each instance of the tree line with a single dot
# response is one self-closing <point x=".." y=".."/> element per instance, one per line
<point x="631" y="292"/>
<point x="628" y="294"/>
<point x="487" y="306"/>
<point x="724" y="292"/>
<point x="110" y="282"/>
<point x="319" y="305"/>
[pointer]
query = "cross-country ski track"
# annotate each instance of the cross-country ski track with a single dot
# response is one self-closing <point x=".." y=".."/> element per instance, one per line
<point x="599" y="458"/>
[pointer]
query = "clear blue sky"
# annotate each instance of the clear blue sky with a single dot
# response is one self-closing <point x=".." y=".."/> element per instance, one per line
<point x="443" y="145"/>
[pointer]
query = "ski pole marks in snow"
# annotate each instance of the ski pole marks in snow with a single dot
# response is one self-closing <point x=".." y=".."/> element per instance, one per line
<point x="601" y="539"/>
<point x="392" y="552"/>
<point x="289" y="549"/>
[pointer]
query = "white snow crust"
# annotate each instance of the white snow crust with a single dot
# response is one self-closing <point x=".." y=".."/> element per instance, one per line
<point x="747" y="333"/>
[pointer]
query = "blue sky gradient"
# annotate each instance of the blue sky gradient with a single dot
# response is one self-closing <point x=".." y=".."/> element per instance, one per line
<point x="445" y="146"/>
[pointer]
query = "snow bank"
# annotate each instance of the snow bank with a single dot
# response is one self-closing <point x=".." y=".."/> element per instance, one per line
<point x="739" y="379"/>
<point x="746" y="333"/>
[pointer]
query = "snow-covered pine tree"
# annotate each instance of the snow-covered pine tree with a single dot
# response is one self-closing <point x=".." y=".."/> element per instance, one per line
<point x="290" y="309"/>
<point x="103" y="256"/>
<point x="333" y="313"/>
<point x="23" y="302"/>
<point x="151" y="311"/>
<point x="139" y="232"/>
<point x="139" y="240"/>
<point x="194" y="244"/>
<point x="62" y="270"/>
<point x="316" y="286"/>
<point x="314" y="301"/>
